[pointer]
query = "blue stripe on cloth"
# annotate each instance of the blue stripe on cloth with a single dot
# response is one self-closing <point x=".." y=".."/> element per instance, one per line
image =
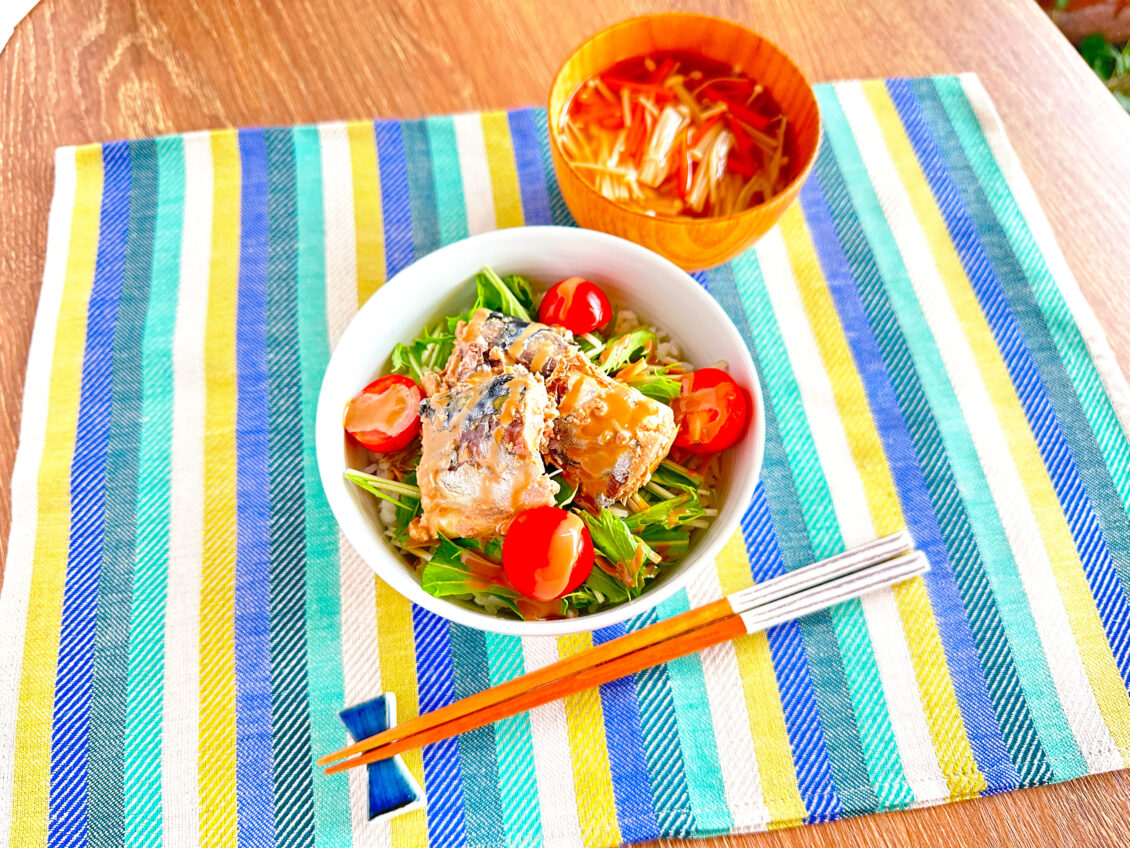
<point x="531" y="172"/>
<point x="252" y="608"/>
<point x="832" y="772"/>
<point x="442" y="781"/>
<point x="421" y="188"/>
<point x="70" y="730"/>
<point x="979" y="549"/>
<point x="1112" y="603"/>
<point x="560" y="212"/>
<point x="396" y="210"/>
<point x="977" y="709"/>
<point x="627" y="759"/>
<point x="111" y="645"/>
<point x="1103" y="494"/>
<point x="290" y="704"/>
<point x="666" y="770"/>
<point x="477" y="752"/>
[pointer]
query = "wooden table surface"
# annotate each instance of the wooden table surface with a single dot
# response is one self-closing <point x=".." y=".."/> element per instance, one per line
<point x="84" y="70"/>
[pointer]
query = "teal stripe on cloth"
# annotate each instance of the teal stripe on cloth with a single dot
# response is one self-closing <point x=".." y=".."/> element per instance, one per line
<point x="844" y="630"/>
<point x="666" y="770"/>
<point x="1021" y="272"/>
<point x="450" y="208"/>
<point x="323" y="600"/>
<point x="696" y="734"/>
<point x="421" y="193"/>
<point x="290" y="714"/>
<point x="517" y="779"/>
<point x="108" y="707"/>
<point x="478" y="756"/>
<point x="1000" y="565"/>
<point x="145" y="689"/>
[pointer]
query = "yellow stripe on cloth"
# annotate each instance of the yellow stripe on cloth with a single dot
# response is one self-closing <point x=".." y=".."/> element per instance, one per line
<point x="763" y="700"/>
<point x="398" y="674"/>
<point x="31" y="776"/>
<point x="1098" y="659"/>
<point x="943" y="715"/>
<point x="217" y="755"/>
<point x="367" y="220"/>
<point x="503" y="171"/>
<point x="592" y="775"/>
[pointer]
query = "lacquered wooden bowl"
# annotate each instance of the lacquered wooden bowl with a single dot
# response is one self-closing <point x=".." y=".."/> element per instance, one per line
<point x="691" y="243"/>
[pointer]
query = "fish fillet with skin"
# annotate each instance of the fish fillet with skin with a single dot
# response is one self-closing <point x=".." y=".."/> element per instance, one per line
<point x="481" y="462"/>
<point x="608" y="438"/>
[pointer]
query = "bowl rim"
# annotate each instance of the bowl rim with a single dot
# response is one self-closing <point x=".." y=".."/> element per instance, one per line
<point x="357" y="527"/>
<point x="783" y="196"/>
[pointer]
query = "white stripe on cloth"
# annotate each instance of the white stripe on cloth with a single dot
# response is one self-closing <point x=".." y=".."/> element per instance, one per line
<point x="553" y="760"/>
<point x="340" y="229"/>
<point x="360" y="657"/>
<point x="989" y="439"/>
<point x="729" y="714"/>
<point x="180" y="803"/>
<point x="888" y="640"/>
<point x="478" y="192"/>
<point x="16" y="592"/>
<point x="1112" y="376"/>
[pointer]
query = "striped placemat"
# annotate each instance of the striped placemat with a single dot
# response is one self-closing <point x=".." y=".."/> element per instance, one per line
<point x="182" y="623"/>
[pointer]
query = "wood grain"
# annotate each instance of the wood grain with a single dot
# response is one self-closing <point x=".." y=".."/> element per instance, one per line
<point x="83" y="70"/>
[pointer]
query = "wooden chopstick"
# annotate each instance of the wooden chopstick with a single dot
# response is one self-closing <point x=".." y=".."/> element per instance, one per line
<point x="845" y="587"/>
<point x="876" y="550"/>
<point x="644" y="646"/>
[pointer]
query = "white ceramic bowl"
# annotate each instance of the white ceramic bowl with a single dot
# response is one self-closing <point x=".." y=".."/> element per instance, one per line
<point x="440" y="284"/>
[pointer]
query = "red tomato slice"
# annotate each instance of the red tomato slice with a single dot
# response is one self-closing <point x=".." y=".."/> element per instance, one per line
<point x="575" y="304"/>
<point x="711" y="412"/>
<point x="384" y="416"/>
<point x="547" y="553"/>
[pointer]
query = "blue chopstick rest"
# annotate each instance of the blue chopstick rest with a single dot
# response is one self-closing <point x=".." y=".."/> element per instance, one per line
<point x="392" y="788"/>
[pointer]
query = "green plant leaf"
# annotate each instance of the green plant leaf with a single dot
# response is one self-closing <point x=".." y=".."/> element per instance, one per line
<point x="626" y="348"/>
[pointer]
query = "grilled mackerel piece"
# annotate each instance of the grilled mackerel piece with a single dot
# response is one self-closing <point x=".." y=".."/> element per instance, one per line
<point x="608" y="438"/>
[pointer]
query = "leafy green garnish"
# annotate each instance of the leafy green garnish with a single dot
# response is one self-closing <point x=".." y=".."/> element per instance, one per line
<point x="658" y="535"/>
<point x="672" y="475"/>
<point x="626" y="348"/>
<point x="659" y="388"/>
<point x="427" y="352"/>
<point x="565" y="493"/>
<point x="446" y="575"/>
<point x="409" y="509"/>
<point x="493" y="293"/>
<point x="522" y="289"/>
<point x="668" y="513"/>
<point x="616" y="543"/>
<point x="598" y="590"/>
<point x="383" y="488"/>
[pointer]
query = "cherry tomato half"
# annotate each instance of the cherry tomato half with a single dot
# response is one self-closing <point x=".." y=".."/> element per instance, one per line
<point x="711" y="412"/>
<point x="384" y="416"/>
<point x="575" y="304"/>
<point x="547" y="553"/>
